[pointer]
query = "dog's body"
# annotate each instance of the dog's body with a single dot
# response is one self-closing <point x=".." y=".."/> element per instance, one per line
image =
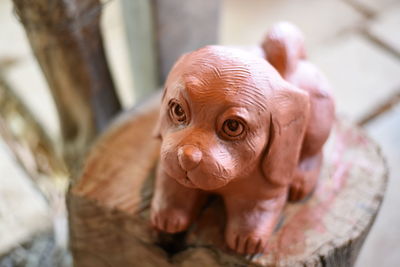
<point x="230" y="125"/>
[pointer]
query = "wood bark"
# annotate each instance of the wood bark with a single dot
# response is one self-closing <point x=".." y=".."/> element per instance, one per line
<point x="109" y="206"/>
<point x="66" y="40"/>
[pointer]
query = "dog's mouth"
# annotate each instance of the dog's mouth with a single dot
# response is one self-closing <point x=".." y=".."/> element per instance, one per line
<point x="197" y="179"/>
<point x="187" y="182"/>
<point x="184" y="180"/>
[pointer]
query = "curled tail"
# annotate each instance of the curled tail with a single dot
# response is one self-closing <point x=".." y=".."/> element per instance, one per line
<point x="284" y="47"/>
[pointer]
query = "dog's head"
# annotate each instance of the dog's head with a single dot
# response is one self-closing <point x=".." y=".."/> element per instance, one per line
<point x="217" y="116"/>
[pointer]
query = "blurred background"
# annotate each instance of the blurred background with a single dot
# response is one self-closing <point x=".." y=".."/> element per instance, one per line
<point x="356" y="43"/>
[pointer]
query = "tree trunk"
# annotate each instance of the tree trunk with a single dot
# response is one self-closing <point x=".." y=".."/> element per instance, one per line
<point x="66" y="39"/>
<point x="109" y="206"/>
<point x="160" y="31"/>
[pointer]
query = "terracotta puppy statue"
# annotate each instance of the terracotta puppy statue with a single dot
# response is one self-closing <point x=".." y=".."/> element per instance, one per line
<point x="247" y="128"/>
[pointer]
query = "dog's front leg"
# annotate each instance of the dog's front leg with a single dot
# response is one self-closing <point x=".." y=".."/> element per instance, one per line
<point x="174" y="207"/>
<point x="251" y="222"/>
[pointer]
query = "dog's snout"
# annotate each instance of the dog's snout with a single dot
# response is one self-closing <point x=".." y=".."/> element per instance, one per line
<point x="189" y="157"/>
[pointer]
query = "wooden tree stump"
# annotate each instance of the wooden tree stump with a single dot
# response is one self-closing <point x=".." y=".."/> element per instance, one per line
<point x="109" y="206"/>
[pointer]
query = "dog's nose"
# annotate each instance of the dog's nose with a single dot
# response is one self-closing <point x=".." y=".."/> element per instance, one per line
<point x="189" y="157"/>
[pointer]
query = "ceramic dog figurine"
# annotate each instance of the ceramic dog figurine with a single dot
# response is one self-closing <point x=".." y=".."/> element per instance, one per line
<point x="233" y="124"/>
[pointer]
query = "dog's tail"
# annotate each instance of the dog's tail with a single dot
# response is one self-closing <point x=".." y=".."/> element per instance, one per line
<point x="284" y="47"/>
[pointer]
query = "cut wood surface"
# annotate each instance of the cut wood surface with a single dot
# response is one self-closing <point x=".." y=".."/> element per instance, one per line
<point x="109" y="206"/>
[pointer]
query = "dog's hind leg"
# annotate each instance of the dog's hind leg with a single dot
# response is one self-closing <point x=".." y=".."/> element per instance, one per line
<point x="305" y="177"/>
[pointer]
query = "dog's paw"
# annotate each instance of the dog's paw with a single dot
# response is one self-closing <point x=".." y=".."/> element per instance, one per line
<point x="305" y="178"/>
<point x="298" y="190"/>
<point x="170" y="221"/>
<point x="303" y="186"/>
<point x="246" y="243"/>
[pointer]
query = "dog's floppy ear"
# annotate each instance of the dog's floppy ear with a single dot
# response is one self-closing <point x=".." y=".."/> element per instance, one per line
<point x="288" y="122"/>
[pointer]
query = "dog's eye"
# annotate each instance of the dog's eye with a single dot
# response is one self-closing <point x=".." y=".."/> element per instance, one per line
<point x="177" y="113"/>
<point x="232" y="128"/>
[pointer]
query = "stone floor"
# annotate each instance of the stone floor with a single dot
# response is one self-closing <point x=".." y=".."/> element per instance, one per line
<point x="355" y="42"/>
